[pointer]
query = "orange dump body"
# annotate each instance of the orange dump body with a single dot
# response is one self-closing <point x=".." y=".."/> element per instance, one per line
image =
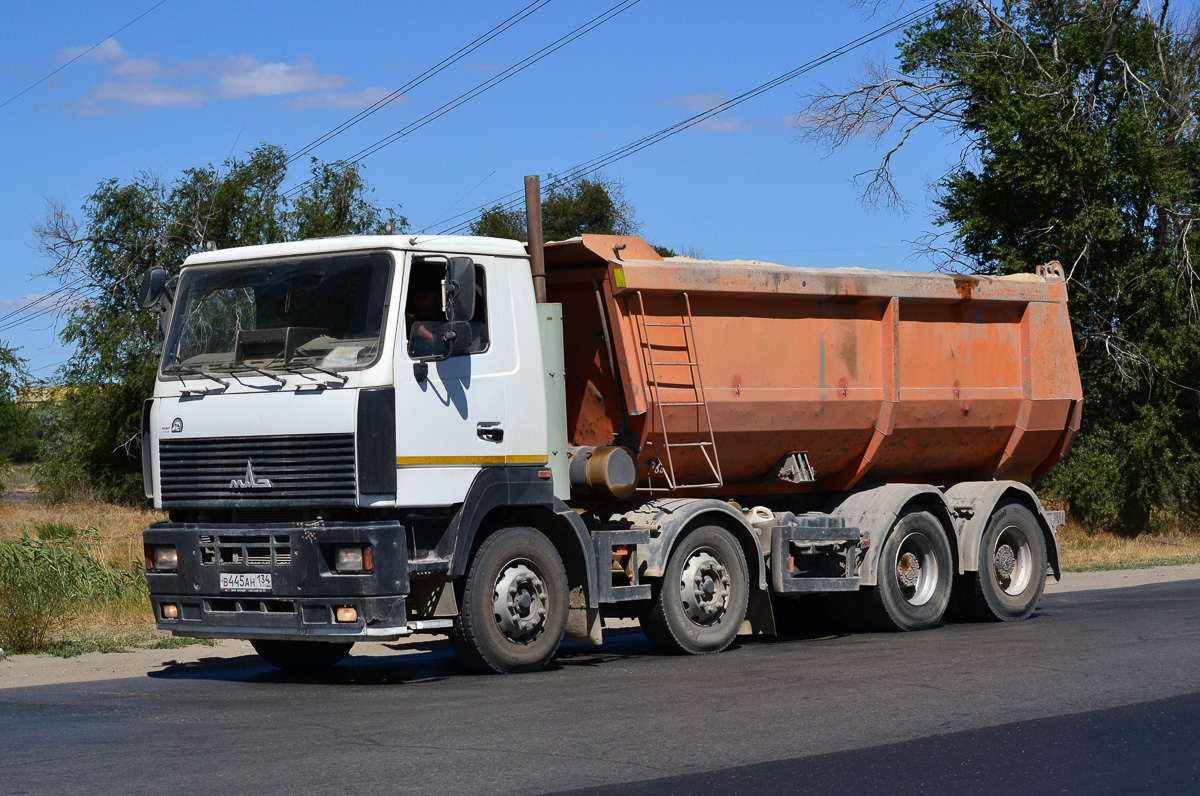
<point x="724" y="371"/>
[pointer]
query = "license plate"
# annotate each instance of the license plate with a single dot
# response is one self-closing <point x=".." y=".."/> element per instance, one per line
<point x="245" y="581"/>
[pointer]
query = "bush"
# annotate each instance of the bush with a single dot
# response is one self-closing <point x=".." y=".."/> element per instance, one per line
<point x="46" y="579"/>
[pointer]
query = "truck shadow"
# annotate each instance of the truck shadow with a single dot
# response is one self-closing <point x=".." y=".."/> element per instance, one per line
<point x="432" y="659"/>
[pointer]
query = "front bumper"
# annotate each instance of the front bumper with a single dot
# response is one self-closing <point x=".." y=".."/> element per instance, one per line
<point x="305" y="589"/>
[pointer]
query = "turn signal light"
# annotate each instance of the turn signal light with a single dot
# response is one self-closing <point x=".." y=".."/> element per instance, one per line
<point x="170" y="611"/>
<point x="347" y="615"/>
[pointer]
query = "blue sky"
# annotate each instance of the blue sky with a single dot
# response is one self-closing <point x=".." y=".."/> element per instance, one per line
<point x="192" y="82"/>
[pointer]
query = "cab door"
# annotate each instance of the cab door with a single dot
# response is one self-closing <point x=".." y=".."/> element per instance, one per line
<point x="450" y="413"/>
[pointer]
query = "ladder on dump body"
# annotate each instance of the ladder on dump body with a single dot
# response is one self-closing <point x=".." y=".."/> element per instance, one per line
<point x="691" y="363"/>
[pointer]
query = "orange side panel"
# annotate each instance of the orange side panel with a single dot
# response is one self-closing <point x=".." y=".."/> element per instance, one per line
<point x="876" y="376"/>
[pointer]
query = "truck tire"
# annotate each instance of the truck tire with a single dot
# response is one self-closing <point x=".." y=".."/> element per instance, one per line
<point x="913" y="578"/>
<point x="514" y="604"/>
<point x="1012" y="568"/>
<point x="699" y="604"/>
<point x="301" y="656"/>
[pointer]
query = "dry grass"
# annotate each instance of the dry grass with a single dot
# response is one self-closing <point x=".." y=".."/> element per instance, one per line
<point x="120" y="527"/>
<point x="120" y="534"/>
<point x="1084" y="550"/>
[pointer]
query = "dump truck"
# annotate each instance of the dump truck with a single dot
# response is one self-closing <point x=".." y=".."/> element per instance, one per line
<point x="362" y="438"/>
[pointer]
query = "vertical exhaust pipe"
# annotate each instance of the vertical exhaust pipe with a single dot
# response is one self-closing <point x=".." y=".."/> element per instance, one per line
<point x="533" y="225"/>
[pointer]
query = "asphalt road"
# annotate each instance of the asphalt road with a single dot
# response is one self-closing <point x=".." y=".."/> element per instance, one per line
<point x="1099" y="692"/>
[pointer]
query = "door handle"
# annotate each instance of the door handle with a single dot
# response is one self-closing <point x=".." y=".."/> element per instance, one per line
<point x="490" y="431"/>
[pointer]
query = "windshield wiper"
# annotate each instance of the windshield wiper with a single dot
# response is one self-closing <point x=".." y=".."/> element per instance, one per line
<point x="198" y="372"/>
<point x="260" y="371"/>
<point x="333" y="373"/>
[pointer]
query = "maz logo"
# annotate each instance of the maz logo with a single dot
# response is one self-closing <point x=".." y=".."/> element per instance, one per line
<point x="251" y="481"/>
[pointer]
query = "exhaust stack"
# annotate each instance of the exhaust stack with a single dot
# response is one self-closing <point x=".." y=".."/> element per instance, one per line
<point x="533" y="225"/>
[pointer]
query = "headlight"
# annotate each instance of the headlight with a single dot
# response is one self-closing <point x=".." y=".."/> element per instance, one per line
<point x="354" y="559"/>
<point x="162" y="558"/>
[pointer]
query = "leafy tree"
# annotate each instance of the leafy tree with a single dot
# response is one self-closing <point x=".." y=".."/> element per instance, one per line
<point x="15" y="420"/>
<point x="128" y="228"/>
<point x="570" y="209"/>
<point x="1078" y="120"/>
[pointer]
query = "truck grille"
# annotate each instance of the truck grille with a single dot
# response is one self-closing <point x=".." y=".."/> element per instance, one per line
<point x="272" y="549"/>
<point x="258" y="471"/>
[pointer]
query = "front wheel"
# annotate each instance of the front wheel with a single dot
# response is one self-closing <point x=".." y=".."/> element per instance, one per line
<point x="1012" y="568"/>
<point x="301" y="656"/>
<point x="913" y="577"/>
<point x="514" y="606"/>
<point x="700" y="603"/>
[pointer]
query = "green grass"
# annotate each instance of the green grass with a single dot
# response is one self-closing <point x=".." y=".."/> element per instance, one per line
<point x="1133" y="563"/>
<point x="59" y="573"/>
<point x="75" y="644"/>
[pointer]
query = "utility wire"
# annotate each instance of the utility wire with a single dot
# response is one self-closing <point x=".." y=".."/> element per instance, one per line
<point x="440" y="66"/>
<point x="72" y="285"/>
<point x="485" y="86"/>
<point x="512" y="200"/>
<point x="85" y="52"/>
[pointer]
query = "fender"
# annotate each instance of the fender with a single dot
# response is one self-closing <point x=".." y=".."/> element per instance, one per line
<point x="503" y="487"/>
<point x="979" y="499"/>
<point x="671" y="515"/>
<point x="874" y="512"/>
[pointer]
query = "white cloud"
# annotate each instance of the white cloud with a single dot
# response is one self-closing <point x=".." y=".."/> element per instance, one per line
<point x="341" y="101"/>
<point x="146" y="68"/>
<point x="484" y="67"/>
<point x="15" y="304"/>
<point x="698" y="103"/>
<point x="148" y="95"/>
<point x="106" y="52"/>
<point x="271" y="80"/>
<point x="135" y="83"/>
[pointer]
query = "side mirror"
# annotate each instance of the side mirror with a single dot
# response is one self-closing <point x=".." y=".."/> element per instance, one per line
<point x="460" y="290"/>
<point x="454" y="336"/>
<point x="154" y="285"/>
<point x="438" y="340"/>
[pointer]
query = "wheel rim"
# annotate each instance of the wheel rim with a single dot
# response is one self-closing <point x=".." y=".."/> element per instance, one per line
<point x="704" y="587"/>
<point x="916" y="568"/>
<point x="519" y="602"/>
<point x="1012" y="560"/>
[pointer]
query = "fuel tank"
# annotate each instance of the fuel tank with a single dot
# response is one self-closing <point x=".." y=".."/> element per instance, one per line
<point x="742" y="377"/>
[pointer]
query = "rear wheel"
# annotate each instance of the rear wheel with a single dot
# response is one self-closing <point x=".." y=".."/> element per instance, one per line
<point x="301" y="656"/>
<point x="514" y="606"/>
<point x="700" y="603"/>
<point x="1012" y="568"/>
<point x="913" y="577"/>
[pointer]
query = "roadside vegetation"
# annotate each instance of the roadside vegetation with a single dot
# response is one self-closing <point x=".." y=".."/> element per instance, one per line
<point x="68" y="587"/>
<point x="72" y="579"/>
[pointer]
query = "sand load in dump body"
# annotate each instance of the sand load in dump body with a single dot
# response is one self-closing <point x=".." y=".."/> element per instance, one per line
<point x="753" y="378"/>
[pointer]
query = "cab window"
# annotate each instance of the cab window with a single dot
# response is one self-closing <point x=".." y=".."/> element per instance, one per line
<point x="424" y="308"/>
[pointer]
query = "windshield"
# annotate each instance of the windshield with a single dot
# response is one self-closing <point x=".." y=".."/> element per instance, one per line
<point x="316" y="312"/>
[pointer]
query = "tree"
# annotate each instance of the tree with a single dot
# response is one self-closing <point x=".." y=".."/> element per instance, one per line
<point x="1079" y="130"/>
<point x="129" y="228"/>
<point x="15" y="420"/>
<point x="569" y="209"/>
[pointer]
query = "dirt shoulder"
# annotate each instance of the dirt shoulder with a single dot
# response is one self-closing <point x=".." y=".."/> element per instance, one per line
<point x="27" y="670"/>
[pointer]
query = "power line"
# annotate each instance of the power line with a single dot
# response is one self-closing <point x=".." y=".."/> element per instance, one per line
<point x="485" y="86"/>
<point x="72" y="285"/>
<point x="511" y="201"/>
<point x="85" y="52"/>
<point x="440" y="66"/>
